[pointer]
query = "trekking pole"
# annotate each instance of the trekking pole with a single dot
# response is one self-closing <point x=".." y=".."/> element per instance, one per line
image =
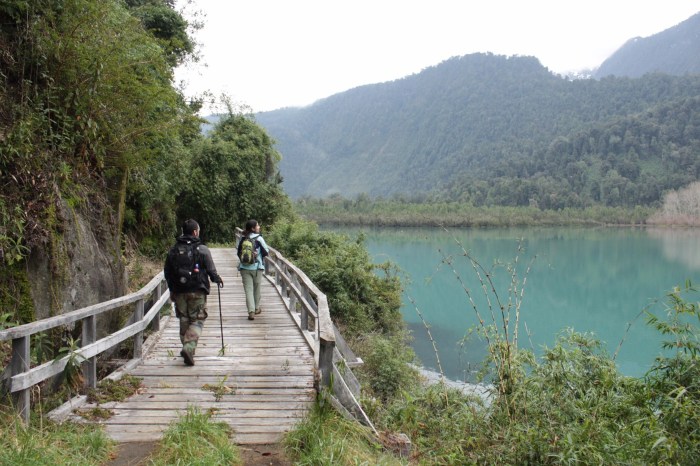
<point x="221" y="321"/>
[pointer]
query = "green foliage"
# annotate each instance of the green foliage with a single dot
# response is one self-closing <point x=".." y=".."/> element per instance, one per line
<point x="572" y="408"/>
<point x="363" y="297"/>
<point x="166" y="25"/>
<point x="326" y="438"/>
<point x="196" y="439"/>
<point x="398" y="211"/>
<point x="498" y="321"/>
<point x="494" y="130"/>
<point x="569" y="407"/>
<point x="5" y="321"/>
<point x="51" y="444"/>
<point x="41" y="347"/>
<point x="220" y="388"/>
<point x="674" y="380"/>
<point x="386" y="371"/>
<point x="442" y="423"/>
<point x="232" y="177"/>
<point x="15" y="299"/>
<point x="86" y="89"/>
<point x="72" y="373"/>
<point x="12" y="249"/>
<point x="150" y="215"/>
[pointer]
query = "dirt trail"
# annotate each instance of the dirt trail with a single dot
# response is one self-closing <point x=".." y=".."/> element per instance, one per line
<point x="137" y="453"/>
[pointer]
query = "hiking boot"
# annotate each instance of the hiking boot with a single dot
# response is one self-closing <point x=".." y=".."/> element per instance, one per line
<point x="258" y="310"/>
<point x="189" y="359"/>
<point x="251" y="316"/>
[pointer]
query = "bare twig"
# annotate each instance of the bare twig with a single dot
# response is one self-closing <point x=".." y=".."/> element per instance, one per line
<point x="432" y="341"/>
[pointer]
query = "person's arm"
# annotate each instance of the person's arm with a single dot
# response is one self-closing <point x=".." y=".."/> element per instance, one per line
<point x="166" y="273"/>
<point x="264" y="249"/>
<point x="210" y="267"/>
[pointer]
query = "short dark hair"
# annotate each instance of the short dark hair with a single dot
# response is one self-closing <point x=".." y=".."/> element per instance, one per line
<point x="189" y="227"/>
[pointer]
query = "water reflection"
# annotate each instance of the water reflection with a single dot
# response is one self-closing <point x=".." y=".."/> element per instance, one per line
<point x="681" y="245"/>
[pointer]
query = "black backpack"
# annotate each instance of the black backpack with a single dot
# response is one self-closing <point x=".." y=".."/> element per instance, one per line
<point x="185" y="265"/>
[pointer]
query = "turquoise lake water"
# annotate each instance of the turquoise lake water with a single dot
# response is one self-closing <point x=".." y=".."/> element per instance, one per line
<point x="596" y="280"/>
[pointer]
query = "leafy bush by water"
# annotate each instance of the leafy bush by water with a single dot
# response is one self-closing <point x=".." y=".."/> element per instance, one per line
<point x="570" y="407"/>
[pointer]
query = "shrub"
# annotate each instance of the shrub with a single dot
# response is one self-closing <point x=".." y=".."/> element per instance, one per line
<point x="326" y="438"/>
<point x="385" y="370"/>
<point x="674" y="380"/>
<point x="360" y="300"/>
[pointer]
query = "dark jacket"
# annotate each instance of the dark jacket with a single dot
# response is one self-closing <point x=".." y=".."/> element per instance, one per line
<point x="206" y="267"/>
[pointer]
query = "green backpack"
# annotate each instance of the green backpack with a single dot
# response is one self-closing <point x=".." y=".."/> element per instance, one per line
<point x="249" y="251"/>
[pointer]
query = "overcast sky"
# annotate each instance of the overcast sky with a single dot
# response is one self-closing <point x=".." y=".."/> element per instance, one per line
<point x="269" y="54"/>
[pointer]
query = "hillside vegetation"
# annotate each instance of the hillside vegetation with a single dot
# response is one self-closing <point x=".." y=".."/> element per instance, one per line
<point x="673" y="51"/>
<point x="494" y="130"/>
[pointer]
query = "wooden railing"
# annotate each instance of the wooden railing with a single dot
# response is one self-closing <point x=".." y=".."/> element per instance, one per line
<point x="307" y="305"/>
<point x="21" y="377"/>
<point x="309" y="308"/>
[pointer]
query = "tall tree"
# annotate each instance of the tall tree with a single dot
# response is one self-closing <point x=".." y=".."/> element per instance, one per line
<point x="233" y="177"/>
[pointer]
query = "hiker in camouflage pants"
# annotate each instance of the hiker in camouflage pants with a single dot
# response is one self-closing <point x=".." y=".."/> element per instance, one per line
<point x="191" y="309"/>
<point x="190" y="296"/>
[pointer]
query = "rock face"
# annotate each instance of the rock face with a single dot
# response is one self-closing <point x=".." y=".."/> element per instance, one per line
<point x="82" y="267"/>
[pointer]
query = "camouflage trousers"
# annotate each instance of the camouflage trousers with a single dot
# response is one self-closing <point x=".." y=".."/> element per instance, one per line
<point x="191" y="310"/>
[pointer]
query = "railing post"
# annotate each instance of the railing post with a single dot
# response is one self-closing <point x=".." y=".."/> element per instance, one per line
<point x="326" y="341"/>
<point x="293" y="302"/>
<point x="304" y="317"/>
<point x="305" y="313"/>
<point x="89" y="366"/>
<point x="325" y="361"/>
<point x="138" y="338"/>
<point x="18" y="365"/>
<point x="157" y="294"/>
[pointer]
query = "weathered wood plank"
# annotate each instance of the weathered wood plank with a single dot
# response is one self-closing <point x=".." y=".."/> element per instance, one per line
<point x="239" y="429"/>
<point x="267" y="364"/>
<point x="242" y="439"/>
<point x="247" y="380"/>
<point x="227" y="403"/>
<point x="202" y="373"/>
<point x="252" y="414"/>
<point x="239" y="390"/>
<point x="233" y="352"/>
<point x="232" y="395"/>
<point x="234" y="421"/>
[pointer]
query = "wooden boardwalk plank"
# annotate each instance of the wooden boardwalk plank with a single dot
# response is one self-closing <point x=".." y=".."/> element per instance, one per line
<point x="266" y="371"/>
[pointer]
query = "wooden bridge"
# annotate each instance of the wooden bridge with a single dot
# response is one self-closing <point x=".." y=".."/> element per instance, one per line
<point x="264" y="381"/>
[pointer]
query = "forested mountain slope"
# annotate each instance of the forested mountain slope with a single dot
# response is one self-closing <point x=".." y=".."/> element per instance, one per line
<point x="674" y="51"/>
<point x="471" y="124"/>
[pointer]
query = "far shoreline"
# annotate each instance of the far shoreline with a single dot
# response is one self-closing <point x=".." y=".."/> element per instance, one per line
<point x="454" y="215"/>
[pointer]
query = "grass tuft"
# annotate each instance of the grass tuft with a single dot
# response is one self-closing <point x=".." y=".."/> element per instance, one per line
<point x="326" y="438"/>
<point x="51" y="444"/>
<point x="196" y="439"/>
